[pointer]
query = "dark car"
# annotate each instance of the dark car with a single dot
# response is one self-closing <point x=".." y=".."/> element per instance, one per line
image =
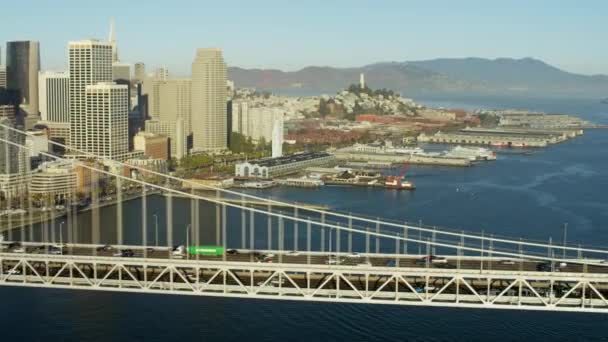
<point x="232" y="252"/>
<point x="14" y="245"/>
<point x="127" y="253"/>
<point x="544" y="267"/>
<point x="390" y="263"/>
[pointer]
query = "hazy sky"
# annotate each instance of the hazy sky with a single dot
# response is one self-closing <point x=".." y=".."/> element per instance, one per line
<point x="292" y="34"/>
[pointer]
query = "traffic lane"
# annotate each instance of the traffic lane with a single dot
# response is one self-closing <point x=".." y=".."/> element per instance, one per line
<point x="403" y="261"/>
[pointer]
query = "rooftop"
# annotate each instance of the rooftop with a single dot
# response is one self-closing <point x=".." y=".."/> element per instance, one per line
<point x="292" y="158"/>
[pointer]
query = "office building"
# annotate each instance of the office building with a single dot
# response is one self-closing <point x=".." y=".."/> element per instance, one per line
<point x="139" y="72"/>
<point x="107" y="117"/>
<point x="169" y="100"/>
<point x="12" y="157"/>
<point x="90" y="63"/>
<point x="54" y="100"/>
<point x="209" y="126"/>
<point x="175" y="131"/>
<point x="2" y="76"/>
<point x="153" y="145"/>
<point x="8" y="111"/>
<point x="22" y="67"/>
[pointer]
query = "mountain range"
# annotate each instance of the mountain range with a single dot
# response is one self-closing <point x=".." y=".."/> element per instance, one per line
<point x="465" y="76"/>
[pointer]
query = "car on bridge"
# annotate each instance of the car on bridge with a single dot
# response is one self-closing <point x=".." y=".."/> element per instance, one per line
<point x="431" y="259"/>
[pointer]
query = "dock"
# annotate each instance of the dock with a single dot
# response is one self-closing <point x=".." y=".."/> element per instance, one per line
<point x="350" y="156"/>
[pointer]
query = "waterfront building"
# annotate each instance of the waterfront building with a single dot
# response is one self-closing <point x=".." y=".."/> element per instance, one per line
<point x="55" y="180"/>
<point x="22" y="67"/>
<point x="273" y="167"/>
<point x="209" y="122"/>
<point x="107" y="117"/>
<point x="175" y="131"/>
<point x="90" y="63"/>
<point x="54" y="100"/>
<point x="153" y="145"/>
<point x="151" y="164"/>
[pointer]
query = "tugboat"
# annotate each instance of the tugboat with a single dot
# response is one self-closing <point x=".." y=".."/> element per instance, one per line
<point x="399" y="182"/>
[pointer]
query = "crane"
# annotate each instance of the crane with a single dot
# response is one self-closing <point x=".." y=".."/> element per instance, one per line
<point x="399" y="182"/>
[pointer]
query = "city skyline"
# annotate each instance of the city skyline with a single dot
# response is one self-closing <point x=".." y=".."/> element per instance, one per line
<point x="342" y="34"/>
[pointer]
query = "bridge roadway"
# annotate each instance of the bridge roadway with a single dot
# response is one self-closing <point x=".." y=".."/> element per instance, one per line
<point x="498" y="283"/>
<point x="323" y="258"/>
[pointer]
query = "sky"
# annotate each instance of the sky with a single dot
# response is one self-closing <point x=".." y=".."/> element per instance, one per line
<point x="289" y="35"/>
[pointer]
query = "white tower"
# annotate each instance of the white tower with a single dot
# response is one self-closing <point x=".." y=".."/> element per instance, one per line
<point x="277" y="138"/>
<point x="362" y="81"/>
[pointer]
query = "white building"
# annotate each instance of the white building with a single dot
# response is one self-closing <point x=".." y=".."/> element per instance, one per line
<point x="54" y="102"/>
<point x="55" y="180"/>
<point x="108" y="120"/>
<point x="175" y="130"/>
<point x="209" y="113"/>
<point x="277" y="138"/>
<point x="90" y="63"/>
<point x="272" y="167"/>
<point x="37" y="142"/>
<point x="256" y="122"/>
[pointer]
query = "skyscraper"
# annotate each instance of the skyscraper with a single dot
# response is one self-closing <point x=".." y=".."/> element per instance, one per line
<point x="170" y="100"/>
<point x="139" y="72"/>
<point x="209" y="127"/>
<point x="90" y="63"/>
<point x="107" y="117"/>
<point x="2" y="76"/>
<point x="54" y="88"/>
<point x="22" y="67"/>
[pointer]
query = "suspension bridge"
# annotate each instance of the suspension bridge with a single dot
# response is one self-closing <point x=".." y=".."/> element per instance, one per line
<point x="140" y="232"/>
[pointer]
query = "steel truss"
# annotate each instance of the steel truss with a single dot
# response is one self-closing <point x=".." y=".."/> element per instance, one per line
<point x="573" y="292"/>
